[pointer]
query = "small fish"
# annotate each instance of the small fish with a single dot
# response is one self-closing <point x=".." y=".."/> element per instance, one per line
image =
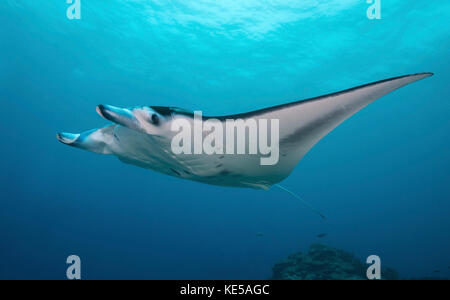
<point x="259" y="234"/>
<point x="321" y="235"/>
<point x="437" y="271"/>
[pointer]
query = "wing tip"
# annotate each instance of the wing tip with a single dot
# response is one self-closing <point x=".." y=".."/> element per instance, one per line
<point x="422" y="74"/>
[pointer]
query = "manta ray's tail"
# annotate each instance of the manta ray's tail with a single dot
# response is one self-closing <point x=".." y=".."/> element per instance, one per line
<point x="299" y="198"/>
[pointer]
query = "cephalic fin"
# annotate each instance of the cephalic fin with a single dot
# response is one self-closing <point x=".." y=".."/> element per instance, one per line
<point x="95" y="140"/>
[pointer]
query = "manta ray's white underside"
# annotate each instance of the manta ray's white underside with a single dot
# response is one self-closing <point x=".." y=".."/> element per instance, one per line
<point x="302" y="124"/>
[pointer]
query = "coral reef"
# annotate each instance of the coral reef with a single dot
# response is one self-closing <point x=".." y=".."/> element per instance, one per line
<point x="323" y="262"/>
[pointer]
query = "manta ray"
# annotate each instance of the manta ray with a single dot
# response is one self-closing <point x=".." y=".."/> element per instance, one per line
<point x="142" y="136"/>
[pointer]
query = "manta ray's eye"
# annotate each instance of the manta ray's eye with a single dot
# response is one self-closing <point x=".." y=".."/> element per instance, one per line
<point x="155" y="119"/>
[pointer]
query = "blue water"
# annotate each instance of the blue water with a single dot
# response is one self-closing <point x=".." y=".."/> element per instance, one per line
<point x="382" y="177"/>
